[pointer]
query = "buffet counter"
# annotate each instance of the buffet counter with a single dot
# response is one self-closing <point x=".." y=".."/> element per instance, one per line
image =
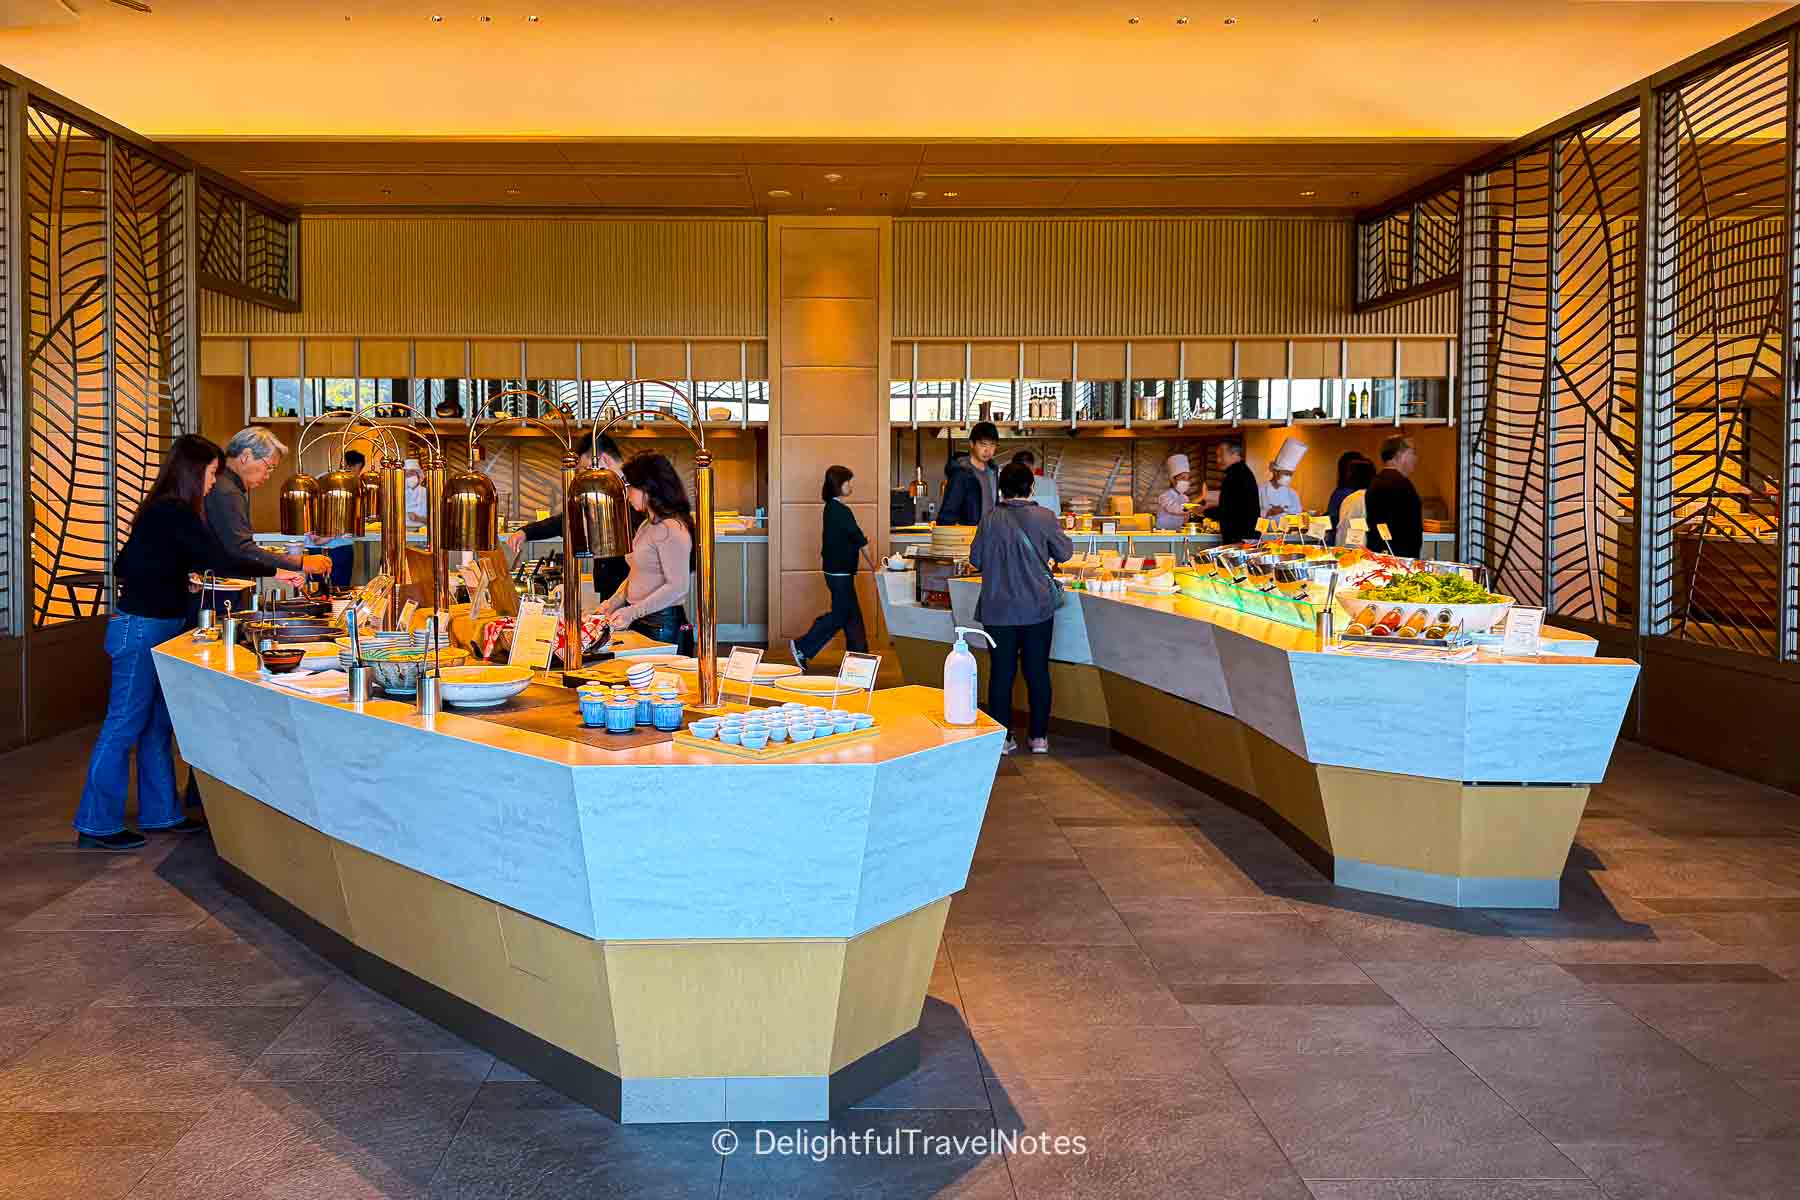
<point x="667" y="934"/>
<point x="1157" y="541"/>
<point x="1456" y="782"/>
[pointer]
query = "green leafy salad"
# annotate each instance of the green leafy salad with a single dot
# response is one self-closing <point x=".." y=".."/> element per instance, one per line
<point x="1427" y="587"/>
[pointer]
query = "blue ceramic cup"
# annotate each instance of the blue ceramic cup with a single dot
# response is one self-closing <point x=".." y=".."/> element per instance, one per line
<point x="621" y="716"/>
<point x="593" y="711"/>
<point x="668" y="715"/>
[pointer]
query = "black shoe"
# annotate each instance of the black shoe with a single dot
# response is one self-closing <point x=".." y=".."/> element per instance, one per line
<point x="186" y="825"/>
<point x="116" y="843"/>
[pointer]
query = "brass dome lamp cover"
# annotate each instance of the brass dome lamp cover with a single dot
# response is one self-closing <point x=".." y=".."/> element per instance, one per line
<point x="339" y="506"/>
<point x="471" y="510"/>
<point x="299" y="505"/>
<point x="596" y="520"/>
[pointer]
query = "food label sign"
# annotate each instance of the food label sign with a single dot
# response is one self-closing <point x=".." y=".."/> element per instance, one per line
<point x="1519" y="632"/>
<point x="857" y="674"/>
<point x="534" y="635"/>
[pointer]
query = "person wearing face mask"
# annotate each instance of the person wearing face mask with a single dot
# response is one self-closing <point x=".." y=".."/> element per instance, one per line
<point x="418" y="500"/>
<point x="1279" y="499"/>
<point x="1171" y="507"/>
<point x="841" y="543"/>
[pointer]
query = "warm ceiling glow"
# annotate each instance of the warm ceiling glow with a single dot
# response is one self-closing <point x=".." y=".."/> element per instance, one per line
<point x="998" y="69"/>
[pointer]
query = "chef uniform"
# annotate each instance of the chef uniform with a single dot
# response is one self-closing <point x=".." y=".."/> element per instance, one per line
<point x="1171" y="506"/>
<point x="1279" y="491"/>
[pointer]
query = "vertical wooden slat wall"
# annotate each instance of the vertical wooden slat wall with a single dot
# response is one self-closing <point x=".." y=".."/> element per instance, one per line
<point x="830" y="306"/>
<point x="507" y="276"/>
<point x="1022" y="277"/>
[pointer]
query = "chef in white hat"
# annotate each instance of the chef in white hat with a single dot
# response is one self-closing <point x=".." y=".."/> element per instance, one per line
<point x="417" y="500"/>
<point x="1171" y="507"/>
<point x="1279" y="499"/>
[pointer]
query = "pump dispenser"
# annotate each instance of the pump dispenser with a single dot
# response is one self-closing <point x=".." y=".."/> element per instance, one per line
<point x="960" y="679"/>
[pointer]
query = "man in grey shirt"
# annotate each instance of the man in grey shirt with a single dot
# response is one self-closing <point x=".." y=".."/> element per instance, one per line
<point x="251" y="456"/>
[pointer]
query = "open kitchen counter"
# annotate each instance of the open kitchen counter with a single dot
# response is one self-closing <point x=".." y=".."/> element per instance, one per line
<point x="667" y="933"/>
<point x="1457" y="782"/>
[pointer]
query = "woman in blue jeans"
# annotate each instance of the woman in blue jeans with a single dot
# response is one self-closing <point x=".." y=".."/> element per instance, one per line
<point x="169" y="539"/>
<point x="1013" y="549"/>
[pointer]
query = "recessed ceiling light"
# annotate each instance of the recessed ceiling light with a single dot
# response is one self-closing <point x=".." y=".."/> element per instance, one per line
<point x="950" y="195"/>
<point x="533" y="18"/>
<point x="832" y="177"/>
<point x="918" y="195"/>
<point x="437" y="18"/>
<point x="1131" y="20"/>
<point x="512" y="191"/>
<point x="485" y="20"/>
<point x="779" y="193"/>
<point x="828" y="208"/>
<point x="1231" y="20"/>
<point x="1181" y="20"/>
<point x="1309" y="193"/>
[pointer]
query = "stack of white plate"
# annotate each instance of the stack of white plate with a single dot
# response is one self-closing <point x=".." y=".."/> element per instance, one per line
<point x="952" y="541"/>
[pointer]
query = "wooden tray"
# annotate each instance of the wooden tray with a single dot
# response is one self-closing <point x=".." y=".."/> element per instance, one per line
<point x="775" y="750"/>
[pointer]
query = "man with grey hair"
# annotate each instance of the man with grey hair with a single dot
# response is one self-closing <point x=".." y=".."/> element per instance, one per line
<point x="251" y="456"/>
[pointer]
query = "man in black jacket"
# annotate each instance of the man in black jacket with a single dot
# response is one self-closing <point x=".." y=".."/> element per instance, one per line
<point x="972" y="493"/>
<point x="1240" y="502"/>
<point x="1392" y="501"/>
<point x="609" y="573"/>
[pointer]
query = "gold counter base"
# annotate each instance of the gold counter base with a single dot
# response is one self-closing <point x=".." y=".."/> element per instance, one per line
<point x="663" y="1031"/>
<point x="1437" y="840"/>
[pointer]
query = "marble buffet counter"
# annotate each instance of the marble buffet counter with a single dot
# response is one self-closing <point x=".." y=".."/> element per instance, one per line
<point x="1454" y="782"/>
<point x="665" y="933"/>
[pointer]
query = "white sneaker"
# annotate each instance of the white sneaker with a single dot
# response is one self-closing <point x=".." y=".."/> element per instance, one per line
<point x="1010" y="745"/>
<point x="799" y="658"/>
<point x="1040" y="745"/>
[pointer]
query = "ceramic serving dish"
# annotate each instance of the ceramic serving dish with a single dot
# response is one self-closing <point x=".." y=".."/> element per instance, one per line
<point x="483" y="687"/>
<point x="396" y="668"/>
<point x="279" y="660"/>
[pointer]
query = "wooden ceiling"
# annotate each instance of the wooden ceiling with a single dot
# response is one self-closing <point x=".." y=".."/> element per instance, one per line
<point x="890" y="177"/>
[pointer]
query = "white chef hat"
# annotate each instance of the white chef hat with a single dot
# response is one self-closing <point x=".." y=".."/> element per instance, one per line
<point x="1176" y="464"/>
<point x="1289" y="456"/>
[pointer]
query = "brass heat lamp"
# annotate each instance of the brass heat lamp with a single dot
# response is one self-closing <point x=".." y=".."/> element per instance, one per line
<point x="299" y="505"/>
<point x="339" y="507"/>
<point x="596" y="523"/>
<point x="470" y="512"/>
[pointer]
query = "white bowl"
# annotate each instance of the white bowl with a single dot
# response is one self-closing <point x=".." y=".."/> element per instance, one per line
<point x="483" y="687"/>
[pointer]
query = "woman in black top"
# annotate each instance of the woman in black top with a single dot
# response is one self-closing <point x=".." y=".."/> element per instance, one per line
<point x="168" y="541"/>
<point x="840" y="545"/>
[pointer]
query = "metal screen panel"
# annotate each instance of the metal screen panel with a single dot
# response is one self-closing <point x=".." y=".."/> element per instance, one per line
<point x="1720" y="296"/>
<point x="1409" y="249"/>
<point x="10" y="508"/>
<point x="149" y="323"/>
<point x="244" y="248"/>
<point x="65" y="188"/>
<point x="1549" y="370"/>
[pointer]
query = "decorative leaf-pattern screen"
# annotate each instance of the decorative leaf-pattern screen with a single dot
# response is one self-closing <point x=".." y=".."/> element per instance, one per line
<point x="10" y="508"/>
<point x="1721" y="297"/>
<point x="66" y="348"/>
<point x="107" y="347"/>
<point x="243" y="247"/>
<point x="1409" y="249"/>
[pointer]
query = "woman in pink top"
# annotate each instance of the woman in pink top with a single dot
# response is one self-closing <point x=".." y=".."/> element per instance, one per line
<point x="662" y="553"/>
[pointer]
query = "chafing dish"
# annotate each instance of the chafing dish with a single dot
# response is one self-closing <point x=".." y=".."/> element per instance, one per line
<point x="1291" y="578"/>
<point x="1234" y="563"/>
<point x="288" y="629"/>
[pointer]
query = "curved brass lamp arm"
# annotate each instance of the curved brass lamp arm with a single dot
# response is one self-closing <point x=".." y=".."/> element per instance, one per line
<point x="343" y="431"/>
<point x="694" y="428"/>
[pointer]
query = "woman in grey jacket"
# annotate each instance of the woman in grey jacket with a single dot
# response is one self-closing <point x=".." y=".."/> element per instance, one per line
<point x="1013" y="548"/>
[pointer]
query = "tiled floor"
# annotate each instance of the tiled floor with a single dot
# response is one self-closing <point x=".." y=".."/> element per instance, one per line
<point x="1132" y="964"/>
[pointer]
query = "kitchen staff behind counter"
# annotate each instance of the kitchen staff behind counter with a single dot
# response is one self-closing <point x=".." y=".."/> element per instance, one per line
<point x="609" y="573"/>
<point x="1171" y="506"/>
